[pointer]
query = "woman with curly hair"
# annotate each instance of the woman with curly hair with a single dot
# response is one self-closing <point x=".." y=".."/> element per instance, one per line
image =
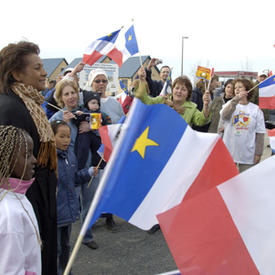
<point x="244" y="126"/>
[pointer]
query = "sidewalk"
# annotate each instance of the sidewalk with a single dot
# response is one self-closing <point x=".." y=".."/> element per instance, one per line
<point x="128" y="251"/>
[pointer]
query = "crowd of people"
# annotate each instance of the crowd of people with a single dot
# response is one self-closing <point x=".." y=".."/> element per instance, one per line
<point x="50" y="167"/>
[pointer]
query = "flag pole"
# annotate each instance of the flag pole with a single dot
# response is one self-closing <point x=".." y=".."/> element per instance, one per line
<point x="140" y="59"/>
<point x="99" y="192"/>
<point x="48" y="103"/>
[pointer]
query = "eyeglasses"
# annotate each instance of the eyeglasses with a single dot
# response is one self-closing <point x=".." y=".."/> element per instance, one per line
<point x="100" y="80"/>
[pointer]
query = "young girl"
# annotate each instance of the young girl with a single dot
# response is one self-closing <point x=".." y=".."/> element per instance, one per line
<point x="67" y="202"/>
<point x="244" y="126"/>
<point x="19" y="236"/>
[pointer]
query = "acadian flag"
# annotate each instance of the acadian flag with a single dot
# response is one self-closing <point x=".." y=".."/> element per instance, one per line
<point x="124" y="98"/>
<point x="100" y="47"/>
<point x="229" y="229"/>
<point x="123" y="87"/>
<point x="267" y="93"/>
<point x="126" y="46"/>
<point x="123" y="95"/>
<point x="158" y="160"/>
<point x="271" y="134"/>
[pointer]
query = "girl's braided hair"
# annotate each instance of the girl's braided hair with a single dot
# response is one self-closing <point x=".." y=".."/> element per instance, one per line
<point x="11" y="141"/>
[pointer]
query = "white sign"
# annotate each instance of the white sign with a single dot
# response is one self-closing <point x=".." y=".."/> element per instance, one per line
<point x="111" y="71"/>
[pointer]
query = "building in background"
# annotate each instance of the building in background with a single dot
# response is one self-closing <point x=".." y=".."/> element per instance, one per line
<point x="224" y="75"/>
<point x="54" y="66"/>
<point x="127" y="72"/>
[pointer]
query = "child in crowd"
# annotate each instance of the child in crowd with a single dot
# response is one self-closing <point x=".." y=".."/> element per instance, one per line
<point x="67" y="201"/>
<point x="90" y="139"/>
<point x="19" y="234"/>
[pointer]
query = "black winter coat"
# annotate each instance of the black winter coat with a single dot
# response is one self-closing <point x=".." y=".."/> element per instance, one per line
<point x="42" y="193"/>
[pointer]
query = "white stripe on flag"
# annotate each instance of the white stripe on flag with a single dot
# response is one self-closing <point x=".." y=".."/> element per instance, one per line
<point x="179" y="172"/>
<point x="267" y="91"/>
<point x="251" y="205"/>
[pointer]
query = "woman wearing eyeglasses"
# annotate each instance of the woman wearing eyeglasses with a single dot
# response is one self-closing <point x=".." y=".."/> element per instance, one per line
<point x="98" y="82"/>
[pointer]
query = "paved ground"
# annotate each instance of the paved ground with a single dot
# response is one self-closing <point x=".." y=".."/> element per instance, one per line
<point x="129" y="251"/>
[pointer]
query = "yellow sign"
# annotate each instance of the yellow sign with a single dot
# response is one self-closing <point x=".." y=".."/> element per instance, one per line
<point x="203" y="72"/>
<point x="95" y="121"/>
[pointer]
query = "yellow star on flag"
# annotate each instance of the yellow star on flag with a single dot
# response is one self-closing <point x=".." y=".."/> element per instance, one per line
<point x="142" y="142"/>
<point x="129" y="37"/>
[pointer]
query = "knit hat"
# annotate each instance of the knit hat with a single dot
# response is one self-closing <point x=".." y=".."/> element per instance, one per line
<point x="93" y="74"/>
<point x="87" y="96"/>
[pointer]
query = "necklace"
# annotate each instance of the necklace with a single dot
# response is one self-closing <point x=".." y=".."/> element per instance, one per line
<point x="28" y="214"/>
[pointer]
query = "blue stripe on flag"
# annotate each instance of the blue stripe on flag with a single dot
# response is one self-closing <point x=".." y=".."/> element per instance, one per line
<point x="110" y="37"/>
<point x="123" y="87"/>
<point x="268" y="82"/>
<point x="132" y="176"/>
<point x="131" y="41"/>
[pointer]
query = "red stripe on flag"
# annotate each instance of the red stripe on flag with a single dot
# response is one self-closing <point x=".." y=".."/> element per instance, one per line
<point x="90" y="59"/>
<point x="212" y="72"/>
<point x="271" y="133"/>
<point x="218" y="168"/>
<point x="116" y="56"/>
<point x="203" y="238"/>
<point x="105" y="139"/>
<point x="267" y="102"/>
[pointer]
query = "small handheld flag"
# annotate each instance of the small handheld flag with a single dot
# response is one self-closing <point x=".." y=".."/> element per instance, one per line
<point x="267" y="93"/>
<point x="123" y="87"/>
<point x="95" y="121"/>
<point x="126" y="46"/>
<point x="100" y="47"/>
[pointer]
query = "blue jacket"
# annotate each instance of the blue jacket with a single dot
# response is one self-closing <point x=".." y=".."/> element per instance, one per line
<point x="67" y="202"/>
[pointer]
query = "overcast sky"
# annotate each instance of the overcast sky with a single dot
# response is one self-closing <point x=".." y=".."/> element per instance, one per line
<point x="226" y="35"/>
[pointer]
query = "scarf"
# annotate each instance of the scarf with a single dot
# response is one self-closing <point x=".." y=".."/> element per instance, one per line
<point x="17" y="185"/>
<point x="33" y="100"/>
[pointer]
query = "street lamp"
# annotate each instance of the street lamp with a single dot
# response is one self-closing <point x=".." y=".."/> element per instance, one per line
<point x="182" y="46"/>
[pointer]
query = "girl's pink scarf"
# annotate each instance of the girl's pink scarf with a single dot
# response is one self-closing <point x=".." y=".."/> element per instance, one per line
<point x="17" y="185"/>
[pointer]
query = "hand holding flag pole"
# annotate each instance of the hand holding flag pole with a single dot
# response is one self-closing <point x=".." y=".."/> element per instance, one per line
<point x="93" y="175"/>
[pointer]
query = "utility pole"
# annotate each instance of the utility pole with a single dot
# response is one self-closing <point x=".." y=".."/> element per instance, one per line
<point x="182" y="47"/>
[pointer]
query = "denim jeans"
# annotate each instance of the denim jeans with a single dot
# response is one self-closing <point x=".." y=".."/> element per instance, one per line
<point x="63" y="247"/>
<point x="86" y="197"/>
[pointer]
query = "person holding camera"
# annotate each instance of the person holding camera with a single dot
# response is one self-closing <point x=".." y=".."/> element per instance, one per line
<point x="155" y="86"/>
<point x="67" y="97"/>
